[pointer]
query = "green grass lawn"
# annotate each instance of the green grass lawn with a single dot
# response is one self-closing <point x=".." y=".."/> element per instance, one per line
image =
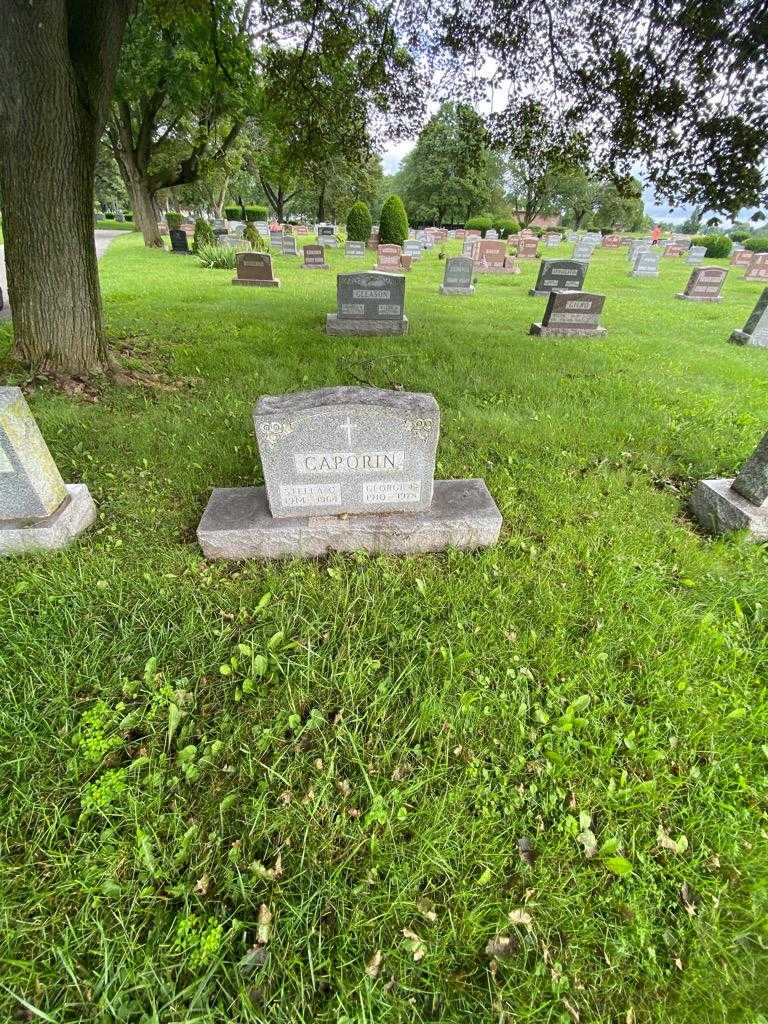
<point x="526" y="785"/>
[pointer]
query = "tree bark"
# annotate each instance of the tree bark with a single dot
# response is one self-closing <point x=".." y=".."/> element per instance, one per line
<point x="60" y="59"/>
<point x="145" y="215"/>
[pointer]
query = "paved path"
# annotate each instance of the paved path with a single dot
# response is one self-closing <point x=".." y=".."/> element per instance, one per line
<point x="103" y="241"/>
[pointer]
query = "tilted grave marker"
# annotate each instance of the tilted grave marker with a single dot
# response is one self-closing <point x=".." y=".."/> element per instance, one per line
<point x="369" y="304"/>
<point x="457" y="278"/>
<point x="562" y="274"/>
<point x="704" y="285"/>
<point x="38" y="511"/>
<point x="571" y="314"/>
<point x="347" y="469"/>
<point x="755" y="331"/>
<point x="724" y="505"/>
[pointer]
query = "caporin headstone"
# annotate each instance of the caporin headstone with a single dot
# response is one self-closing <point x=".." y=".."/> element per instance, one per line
<point x="347" y="469"/>
<point x="254" y="269"/>
<point x="755" y="331"/>
<point x="572" y="315"/>
<point x="38" y="511"/>
<point x="704" y="285"/>
<point x="457" y="278"/>
<point x="563" y="274"/>
<point x="724" y="505"/>
<point x="369" y="304"/>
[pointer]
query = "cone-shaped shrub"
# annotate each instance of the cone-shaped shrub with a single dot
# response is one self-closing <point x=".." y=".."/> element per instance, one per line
<point x="393" y="223"/>
<point x="359" y="223"/>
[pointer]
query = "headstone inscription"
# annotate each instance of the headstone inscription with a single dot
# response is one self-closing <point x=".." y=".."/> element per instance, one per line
<point x="528" y="247"/>
<point x="696" y="254"/>
<point x="755" y="331"/>
<point x="412" y="248"/>
<point x="491" y="258"/>
<point x="567" y="275"/>
<point x="646" y="263"/>
<point x="254" y="269"/>
<point x="314" y="257"/>
<point x="457" y="278"/>
<point x="757" y="268"/>
<point x="571" y="314"/>
<point x="724" y="505"/>
<point x="289" y="246"/>
<point x="347" y="469"/>
<point x="369" y="304"/>
<point x="38" y="511"/>
<point x="179" y="242"/>
<point x="388" y="257"/>
<point x="354" y="249"/>
<point x="673" y="249"/>
<point x="704" y="285"/>
<point x="741" y="258"/>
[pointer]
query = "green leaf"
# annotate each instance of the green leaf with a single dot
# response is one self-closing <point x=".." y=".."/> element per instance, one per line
<point x="260" y="665"/>
<point x="619" y="866"/>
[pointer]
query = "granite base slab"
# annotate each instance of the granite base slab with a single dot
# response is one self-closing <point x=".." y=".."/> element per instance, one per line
<point x="237" y="524"/>
<point x="497" y="270"/>
<point x="720" y="509"/>
<point x="275" y="283"/>
<point x="539" y="294"/>
<point x="632" y="273"/>
<point x="334" y="324"/>
<point x="567" y="332"/>
<point x="699" y="298"/>
<point x="75" y="514"/>
<point x="742" y="338"/>
<point x="316" y="266"/>
<point x="457" y="291"/>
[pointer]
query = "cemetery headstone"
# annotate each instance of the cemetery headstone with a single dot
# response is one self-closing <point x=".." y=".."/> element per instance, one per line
<point x="179" y="242"/>
<point x="491" y="258"/>
<point x="276" y="239"/>
<point x="572" y="236"/>
<point x="571" y="314"/>
<point x="457" y="277"/>
<point x="220" y="227"/>
<point x="724" y="505"/>
<point x="254" y="269"/>
<point x="646" y="263"/>
<point x="38" y="511"/>
<point x="263" y="228"/>
<point x="302" y="229"/>
<point x="567" y="275"/>
<point x="347" y="469"/>
<point x="582" y="251"/>
<point x="473" y="233"/>
<point x="704" y="285"/>
<point x="412" y="248"/>
<point x="492" y="234"/>
<point x="611" y="242"/>
<point x="326" y="235"/>
<point x="369" y="304"/>
<point x="314" y="257"/>
<point x="289" y="246"/>
<point x="696" y="254"/>
<point x="388" y="257"/>
<point x="741" y="258"/>
<point x="637" y="245"/>
<point x="354" y="248"/>
<point x="757" y="268"/>
<point x="673" y="249"/>
<point x="755" y="331"/>
<point x="528" y="247"/>
<point x="552" y="240"/>
<point x="468" y="247"/>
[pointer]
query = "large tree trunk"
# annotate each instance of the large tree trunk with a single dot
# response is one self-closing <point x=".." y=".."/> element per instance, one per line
<point x="135" y="180"/>
<point x="218" y="204"/>
<point x="321" y="205"/>
<point x="60" y="60"/>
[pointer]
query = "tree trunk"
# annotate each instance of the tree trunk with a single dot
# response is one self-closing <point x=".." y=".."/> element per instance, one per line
<point x="60" y="60"/>
<point x="321" y="205"/>
<point x="145" y="214"/>
<point x="218" y="205"/>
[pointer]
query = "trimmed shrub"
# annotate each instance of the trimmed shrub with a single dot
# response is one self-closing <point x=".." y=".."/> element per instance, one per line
<point x="253" y="237"/>
<point x="359" y="223"/>
<point x="718" y="246"/>
<point x="739" y="235"/>
<point x="217" y="257"/>
<point x="483" y="223"/>
<point x="757" y="243"/>
<point x="173" y="220"/>
<point x="506" y="226"/>
<point x="393" y="223"/>
<point x="203" y="235"/>
<point x="252" y="213"/>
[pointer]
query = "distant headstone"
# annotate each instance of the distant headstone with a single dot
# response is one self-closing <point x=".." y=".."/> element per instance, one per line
<point x="347" y="469"/>
<point x="757" y="268"/>
<point x="673" y="249"/>
<point x="696" y="254"/>
<point x="302" y="229"/>
<point x="704" y="285"/>
<point x="646" y="263"/>
<point x="741" y="257"/>
<point x="611" y="241"/>
<point x="255" y="269"/>
<point x="583" y="251"/>
<point x="120" y="217"/>
<point x="457" y="278"/>
<point x="636" y="246"/>
<point x="220" y="227"/>
<point x="566" y="275"/>
<point x="388" y="257"/>
<point x="755" y="331"/>
<point x="369" y="304"/>
<point x="314" y="257"/>
<point x="354" y="248"/>
<point x="38" y="511"/>
<point x="492" y="234"/>
<point x="468" y="247"/>
<point x="263" y="228"/>
<point x="276" y="239"/>
<point x="473" y="233"/>
<point x="527" y="247"/>
<point x="412" y="248"/>
<point x="572" y="236"/>
<point x="552" y="240"/>
<point x="326" y="235"/>
<point x="491" y="258"/>
<point x="724" y="505"/>
<point x="289" y="246"/>
<point x="571" y="314"/>
<point x="179" y="242"/>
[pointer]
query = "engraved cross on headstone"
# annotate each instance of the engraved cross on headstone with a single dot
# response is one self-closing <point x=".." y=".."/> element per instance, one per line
<point x="348" y="427"/>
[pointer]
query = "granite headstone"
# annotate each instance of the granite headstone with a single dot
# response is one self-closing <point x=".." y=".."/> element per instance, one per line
<point x="561" y="274"/>
<point x="457" y="277"/>
<point x="571" y="314"/>
<point x="704" y="285"/>
<point x="255" y="270"/>
<point x="755" y="331"/>
<point x="369" y="304"/>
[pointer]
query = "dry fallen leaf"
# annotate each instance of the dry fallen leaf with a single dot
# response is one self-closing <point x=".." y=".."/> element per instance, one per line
<point x="678" y="963"/>
<point x="426" y="909"/>
<point x="415" y="944"/>
<point x="666" y="842"/>
<point x="572" y="1010"/>
<point x="588" y="841"/>
<point x="373" y="966"/>
<point x="264" y="925"/>
<point x="630" y="1016"/>
<point x="202" y="884"/>
<point x="686" y="898"/>
<point x="520" y="917"/>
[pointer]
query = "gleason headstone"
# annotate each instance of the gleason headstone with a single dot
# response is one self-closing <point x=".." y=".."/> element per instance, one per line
<point x="571" y="314"/>
<point x="696" y="254"/>
<point x="563" y="274"/>
<point x="646" y="263"/>
<point x="314" y="257"/>
<point x="757" y="268"/>
<point x="289" y="246"/>
<point x="755" y="331"/>
<point x="38" y="511"/>
<point x="354" y="249"/>
<point x="179" y="242"/>
<point x="369" y="304"/>
<point x="457" y="279"/>
<point x="347" y="469"/>
<point x="704" y="285"/>
<point x="388" y="257"/>
<point x="255" y="269"/>
<point x="724" y="505"/>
